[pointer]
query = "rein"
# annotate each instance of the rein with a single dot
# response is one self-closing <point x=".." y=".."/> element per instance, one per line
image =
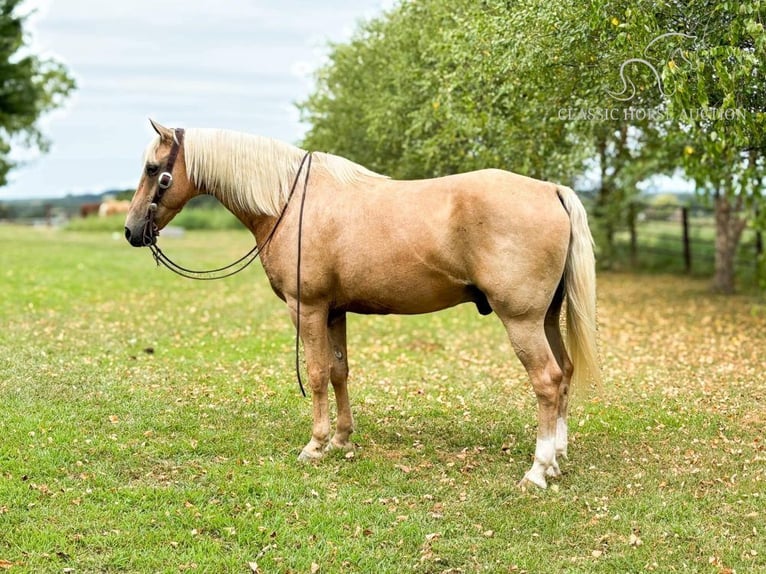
<point x="165" y="180"/>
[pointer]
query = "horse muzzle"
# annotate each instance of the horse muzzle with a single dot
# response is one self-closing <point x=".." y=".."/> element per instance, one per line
<point x="143" y="235"/>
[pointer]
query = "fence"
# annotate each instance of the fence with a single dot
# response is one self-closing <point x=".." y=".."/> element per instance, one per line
<point x="681" y="239"/>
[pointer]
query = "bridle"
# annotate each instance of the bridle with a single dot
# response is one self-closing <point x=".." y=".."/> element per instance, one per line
<point x="165" y="180"/>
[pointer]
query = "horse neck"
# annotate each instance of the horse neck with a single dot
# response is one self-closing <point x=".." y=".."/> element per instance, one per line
<point x="261" y="225"/>
<point x="248" y="174"/>
<point x="251" y="217"/>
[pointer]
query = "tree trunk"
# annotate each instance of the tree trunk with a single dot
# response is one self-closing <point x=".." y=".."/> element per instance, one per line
<point x="728" y="231"/>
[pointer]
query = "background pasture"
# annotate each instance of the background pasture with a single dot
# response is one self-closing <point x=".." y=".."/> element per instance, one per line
<point x="152" y="424"/>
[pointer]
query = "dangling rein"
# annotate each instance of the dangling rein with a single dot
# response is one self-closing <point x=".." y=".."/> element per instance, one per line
<point x="165" y="180"/>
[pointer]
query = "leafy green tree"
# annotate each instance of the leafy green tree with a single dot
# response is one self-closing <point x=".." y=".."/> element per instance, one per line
<point x="29" y="87"/>
<point x="713" y="85"/>
<point x="433" y="88"/>
<point x="718" y="101"/>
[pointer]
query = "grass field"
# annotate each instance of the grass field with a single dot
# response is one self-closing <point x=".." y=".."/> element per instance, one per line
<point x="152" y="424"/>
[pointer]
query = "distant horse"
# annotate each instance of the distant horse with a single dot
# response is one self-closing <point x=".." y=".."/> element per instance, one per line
<point x="87" y="209"/>
<point x="512" y="245"/>
<point x="113" y="207"/>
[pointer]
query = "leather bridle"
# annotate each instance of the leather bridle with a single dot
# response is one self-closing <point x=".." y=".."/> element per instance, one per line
<point x="164" y="181"/>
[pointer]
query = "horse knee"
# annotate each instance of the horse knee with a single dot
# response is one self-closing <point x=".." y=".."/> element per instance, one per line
<point x="338" y="373"/>
<point x="318" y="376"/>
<point x="567" y="368"/>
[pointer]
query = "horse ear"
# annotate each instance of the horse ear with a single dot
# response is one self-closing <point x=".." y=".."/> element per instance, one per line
<point x="162" y="131"/>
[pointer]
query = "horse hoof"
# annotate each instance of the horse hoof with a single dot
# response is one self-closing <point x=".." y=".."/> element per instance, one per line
<point x="342" y="447"/>
<point x="310" y="455"/>
<point x="530" y="479"/>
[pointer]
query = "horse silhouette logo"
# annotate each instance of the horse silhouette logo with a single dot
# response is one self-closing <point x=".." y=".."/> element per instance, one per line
<point x="629" y="90"/>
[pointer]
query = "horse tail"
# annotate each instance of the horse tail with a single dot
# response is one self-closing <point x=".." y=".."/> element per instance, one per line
<point x="580" y="284"/>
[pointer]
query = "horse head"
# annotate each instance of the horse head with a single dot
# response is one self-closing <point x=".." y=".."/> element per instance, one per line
<point x="163" y="190"/>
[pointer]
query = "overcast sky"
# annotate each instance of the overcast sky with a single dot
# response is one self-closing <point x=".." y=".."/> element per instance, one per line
<point x="239" y="64"/>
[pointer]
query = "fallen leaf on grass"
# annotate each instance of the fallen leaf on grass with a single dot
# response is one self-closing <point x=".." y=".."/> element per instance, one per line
<point x="314" y="568"/>
<point x="254" y="567"/>
<point x="426" y="552"/>
<point x="6" y="564"/>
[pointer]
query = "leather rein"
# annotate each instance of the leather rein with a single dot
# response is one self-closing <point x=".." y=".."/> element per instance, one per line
<point x="165" y="180"/>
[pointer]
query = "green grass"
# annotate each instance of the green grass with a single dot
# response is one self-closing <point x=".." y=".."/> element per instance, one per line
<point x="152" y="424"/>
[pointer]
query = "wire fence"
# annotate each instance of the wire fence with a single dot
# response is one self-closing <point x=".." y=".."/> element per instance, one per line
<point x="681" y="239"/>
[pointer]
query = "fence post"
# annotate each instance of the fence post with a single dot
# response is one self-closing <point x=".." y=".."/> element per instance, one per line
<point x="687" y="242"/>
<point x="632" y="213"/>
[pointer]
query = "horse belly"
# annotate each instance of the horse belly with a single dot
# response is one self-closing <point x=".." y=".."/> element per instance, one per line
<point x="398" y="295"/>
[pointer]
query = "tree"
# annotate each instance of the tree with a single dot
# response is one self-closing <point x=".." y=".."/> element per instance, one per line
<point x="713" y="86"/>
<point x="29" y="87"/>
<point x="433" y="88"/>
<point x="718" y="103"/>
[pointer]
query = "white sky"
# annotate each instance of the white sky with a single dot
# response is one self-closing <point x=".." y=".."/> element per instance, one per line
<point x="239" y="64"/>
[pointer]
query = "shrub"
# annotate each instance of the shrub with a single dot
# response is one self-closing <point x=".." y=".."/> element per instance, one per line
<point x="208" y="217"/>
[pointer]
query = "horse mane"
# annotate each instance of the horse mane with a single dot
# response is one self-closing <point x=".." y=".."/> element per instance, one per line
<point x="253" y="173"/>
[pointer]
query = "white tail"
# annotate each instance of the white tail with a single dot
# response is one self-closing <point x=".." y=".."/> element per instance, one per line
<point x="580" y="284"/>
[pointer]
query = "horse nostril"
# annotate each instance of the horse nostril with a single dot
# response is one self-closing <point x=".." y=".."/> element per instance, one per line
<point x="127" y="234"/>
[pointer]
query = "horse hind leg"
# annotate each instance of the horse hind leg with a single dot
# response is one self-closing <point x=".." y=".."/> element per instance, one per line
<point x="531" y="345"/>
<point x="556" y="342"/>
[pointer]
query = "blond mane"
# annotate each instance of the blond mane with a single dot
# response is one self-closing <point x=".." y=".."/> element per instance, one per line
<point x="249" y="173"/>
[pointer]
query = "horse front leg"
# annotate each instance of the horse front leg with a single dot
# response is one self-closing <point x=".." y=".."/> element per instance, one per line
<point x="313" y="327"/>
<point x="338" y="377"/>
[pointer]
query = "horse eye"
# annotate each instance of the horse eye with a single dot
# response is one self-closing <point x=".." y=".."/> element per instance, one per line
<point x="152" y="169"/>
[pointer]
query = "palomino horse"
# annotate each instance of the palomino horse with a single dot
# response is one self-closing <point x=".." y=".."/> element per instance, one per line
<point x="113" y="207"/>
<point x="512" y="245"/>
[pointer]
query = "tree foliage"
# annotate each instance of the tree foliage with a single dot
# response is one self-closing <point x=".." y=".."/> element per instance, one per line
<point x="717" y="104"/>
<point x="606" y="89"/>
<point x="434" y="88"/>
<point x="30" y="86"/>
